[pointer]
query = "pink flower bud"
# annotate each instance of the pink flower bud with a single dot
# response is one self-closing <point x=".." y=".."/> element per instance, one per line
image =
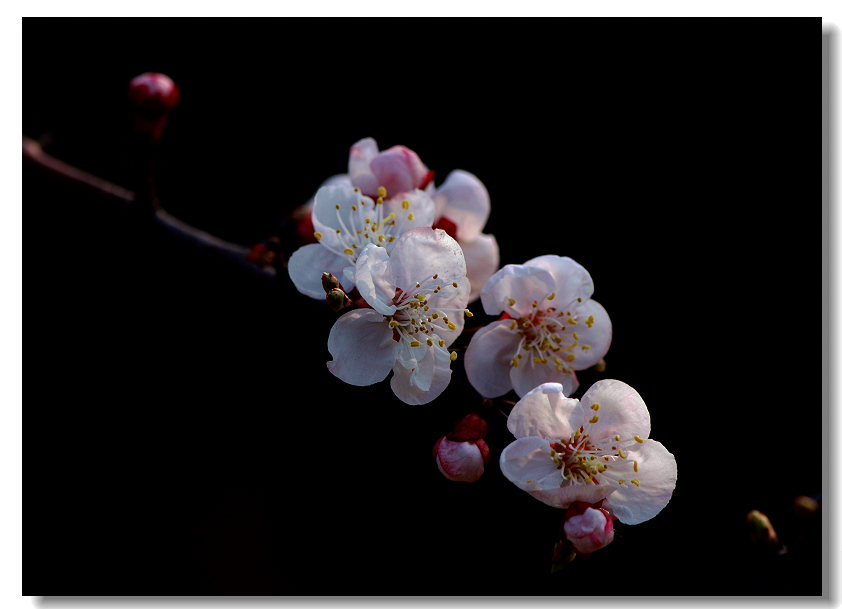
<point x="398" y="169"/>
<point x="590" y="531"/>
<point x="469" y="427"/>
<point x="461" y="461"/>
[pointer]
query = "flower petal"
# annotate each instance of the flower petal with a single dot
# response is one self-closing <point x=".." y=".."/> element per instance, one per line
<point x="423" y="252"/>
<point x="362" y="347"/>
<point x="482" y="258"/>
<point x="621" y="411"/>
<point x="460" y="461"/>
<point x="327" y="219"/>
<point x="334" y="180"/>
<point x="307" y="264"/>
<point x="562" y="497"/>
<point x="528" y="375"/>
<point x="489" y="357"/>
<point x="596" y="334"/>
<point x="526" y="462"/>
<point x="416" y="204"/>
<point x="656" y="475"/>
<point x="359" y="165"/>
<point x="374" y="279"/>
<point x="399" y="170"/>
<point x="523" y="284"/>
<point x="572" y="281"/>
<point x="546" y="413"/>
<point x="407" y="384"/>
<point x="465" y="202"/>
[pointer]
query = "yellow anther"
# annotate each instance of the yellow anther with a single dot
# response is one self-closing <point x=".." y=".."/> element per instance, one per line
<point x="387" y="218"/>
<point x="595" y="406"/>
<point x="526" y="323"/>
<point x="585" y="347"/>
<point x="635" y="481"/>
<point x="455" y="285"/>
<point x="368" y="220"/>
<point x="617" y="438"/>
<point x="529" y="481"/>
<point x="362" y="202"/>
<point x="635" y="466"/>
<point x="381" y="192"/>
<point x="534" y="305"/>
<point x="417" y="285"/>
<point x="551" y="296"/>
<point x="572" y="321"/>
<point x="353" y="208"/>
<point x="553" y="453"/>
<point x="578" y="300"/>
<point x="415" y="343"/>
<point x="622" y="454"/>
<point x="348" y="251"/>
<point x="569" y="477"/>
<point x="620" y="481"/>
<point x="594" y="419"/>
<point x="556" y="360"/>
<point x="557" y="339"/>
<point x="441" y="343"/>
<point x="588" y="479"/>
<point x="537" y="360"/>
<point x="578" y="433"/>
<point x="381" y="238"/>
<point x="318" y="236"/>
<point x="453" y="356"/>
<point x="511" y="302"/>
<point x="356" y="189"/>
<point x="638" y="439"/>
<point x="589" y="321"/>
<point x="571" y="357"/>
<point x="435" y="316"/>
<point x="520" y="355"/>
<point x="393" y="324"/>
<point x="405" y="204"/>
<point x="410" y="217"/>
<point x="513" y="325"/>
<point x="514" y="362"/>
<point x="366" y="235"/>
<point x="555" y="460"/>
<point x="575" y="336"/>
<point x="429" y="343"/>
<point x="391" y="238"/>
<point x="426" y="308"/>
<point x="559" y="368"/>
<point x="468" y="314"/>
<point x="337" y="206"/>
<point x="451" y="325"/>
<point x="379" y="201"/>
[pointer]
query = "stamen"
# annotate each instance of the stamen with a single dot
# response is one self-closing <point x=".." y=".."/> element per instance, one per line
<point x="638" y="439"/>
<point x="635" y="481"/>
<point x="453" y="356"/>
<point x="635" y="466"/>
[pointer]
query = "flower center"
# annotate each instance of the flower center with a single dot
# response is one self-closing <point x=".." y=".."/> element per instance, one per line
<point x="366" y="224"/>
<point x="549" y="332"/>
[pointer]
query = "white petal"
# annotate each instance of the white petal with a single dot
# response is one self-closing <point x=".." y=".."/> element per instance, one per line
<point x="562" y="497"/>
<point x="597" y="337"/>
<point x="529" y="375"/>
<point x="407" y="388"/>
<point x="656" y="474"/>
<point x="362" y="347"/>
<point x="482" y="257"/>
<point x="335" y="180"/>
<point x="572" y="281"/>
<point x="621" y="411"/>
<point x="359" y="165"/>
<point x="421" y="208"/>
<point x="489" y="357"/>
<point x="526" y="462"/>
<point x="423" y="252"/>
<point x="307" y="264"/>
<point x="374" y="279"/>
<point x="326" y="218"/>
<point x="546" y="413"/>
<point x="465" y="202"/>
<point x="523" y="284"/>
<point x="450" y="298"/>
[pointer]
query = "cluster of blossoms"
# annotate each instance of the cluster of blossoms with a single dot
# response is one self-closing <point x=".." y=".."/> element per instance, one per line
<point x="410" y="256"/>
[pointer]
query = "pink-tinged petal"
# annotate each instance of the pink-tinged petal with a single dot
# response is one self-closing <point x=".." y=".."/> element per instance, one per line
<point x="464" y="200"/>
<point x="562" y="497"/>
<point x="307" y="264"/>
<point x="416" y="205"/>
<point x="398" y="170"/>
<point x="589" y="531"/>
<point x="482" y="257"/>
<point x="546" y="413"/>
<point x="460" y="461"/>
<point x="362" y="347"/>
<point x="571" y="279"/>
<point x="528" y="375"/>
<point x="489" y="357"/>
<point x="594" y="330"/>
<point x="359" y="166"/>
<point x="523" y="284"/>
<point x="327" y="219"/>
<point x="423" y="252"/>
<point x="526" y="462"/>
<point x="405" y="382"/>
<point x="621" y="411"/>
<point x="656" y="474"/>
<point x="374" y="279"/>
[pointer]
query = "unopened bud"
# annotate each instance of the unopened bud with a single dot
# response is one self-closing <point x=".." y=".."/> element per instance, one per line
<point x="589" y="531"/>
<point x="338" y="301"/>
<point x="760" y="529"/>
<point x="329" y="282"/>
<point x="803" y="506"/>
<point x="599" y="366"/>
<point x="461" y="461"/>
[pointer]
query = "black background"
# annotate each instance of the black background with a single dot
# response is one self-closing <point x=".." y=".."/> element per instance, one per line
<point x="183" y="433"/>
